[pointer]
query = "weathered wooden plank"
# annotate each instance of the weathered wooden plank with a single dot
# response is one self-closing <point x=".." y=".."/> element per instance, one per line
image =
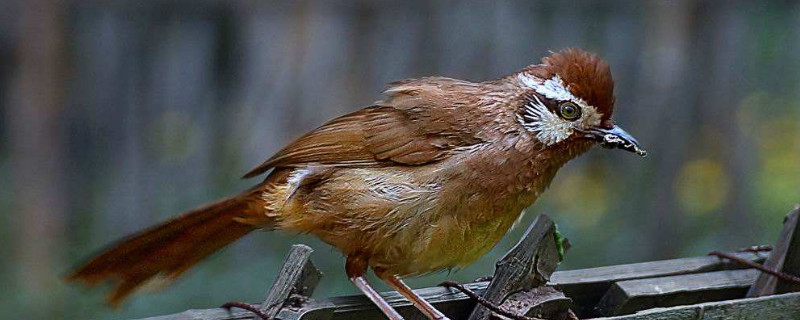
<point x="775" y="307"/>
<point x="529" y="264"/>
<point x="785" y="257"/>
<point x="541" y="302"/>
<point x="576" y="284"/>
<point x="587" y="286"/>
<point x="650" y="269"/>
<point x="313" y="310"/>
<point x="206" y="314"/>
<point x="629" y="296"/>
<point x="452" y="303"/>
<point x="298" y="275"/>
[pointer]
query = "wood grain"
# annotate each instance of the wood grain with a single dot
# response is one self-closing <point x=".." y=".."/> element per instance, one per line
<point x="785" y="257"/>
<point x="581" y="283"/>
<point x="784" y="306"/>
<point x="529" y="264"/>
<point x="629" y="296"/>
<point x="298" y="276"/>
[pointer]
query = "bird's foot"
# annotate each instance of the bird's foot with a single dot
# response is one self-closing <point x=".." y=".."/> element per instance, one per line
<point x="245" y="306"/>
<point x="489" y="305"/>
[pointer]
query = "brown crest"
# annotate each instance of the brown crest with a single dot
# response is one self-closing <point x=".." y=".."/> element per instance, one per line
<point x="586" y="75"/>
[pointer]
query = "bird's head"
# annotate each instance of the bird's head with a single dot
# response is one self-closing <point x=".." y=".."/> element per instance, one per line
<point x="569" y="97"/>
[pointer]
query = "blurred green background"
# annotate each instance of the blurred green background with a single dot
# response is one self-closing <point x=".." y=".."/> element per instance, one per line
<point x="117" y="114"/>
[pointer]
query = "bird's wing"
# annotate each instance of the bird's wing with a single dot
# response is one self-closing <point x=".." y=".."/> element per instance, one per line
<point x="404" y="129"/>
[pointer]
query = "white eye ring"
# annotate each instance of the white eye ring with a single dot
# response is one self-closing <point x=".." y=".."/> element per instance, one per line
<point x="569" y="111"/>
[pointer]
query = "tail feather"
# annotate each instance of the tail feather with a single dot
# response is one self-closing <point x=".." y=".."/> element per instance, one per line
<point x="169" y="249"/>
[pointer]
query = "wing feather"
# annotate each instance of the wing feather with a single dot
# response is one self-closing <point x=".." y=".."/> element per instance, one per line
<point x="402" y="130"/>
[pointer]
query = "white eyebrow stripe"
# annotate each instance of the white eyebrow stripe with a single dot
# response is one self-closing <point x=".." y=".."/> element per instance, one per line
<point x="527" y="80"/>
<point x="553" y="88"/>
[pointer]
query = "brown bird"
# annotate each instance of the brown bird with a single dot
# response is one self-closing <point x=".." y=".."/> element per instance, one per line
<point x="427" y="179"/>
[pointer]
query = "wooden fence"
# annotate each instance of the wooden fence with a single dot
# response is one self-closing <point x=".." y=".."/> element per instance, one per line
<point x="524" y="283"/>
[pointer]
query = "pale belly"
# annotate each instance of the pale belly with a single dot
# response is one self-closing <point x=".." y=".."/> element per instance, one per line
<point x="404" y="223"/>
<point x="454" y="244"/>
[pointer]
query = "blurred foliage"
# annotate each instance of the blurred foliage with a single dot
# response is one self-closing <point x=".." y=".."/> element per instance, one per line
<point x="702" y="186"/>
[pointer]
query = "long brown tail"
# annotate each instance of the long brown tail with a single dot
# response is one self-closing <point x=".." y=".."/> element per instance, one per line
<point x="172" y="247"/>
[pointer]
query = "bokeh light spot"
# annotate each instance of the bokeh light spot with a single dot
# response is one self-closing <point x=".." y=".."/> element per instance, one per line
<point x="585" y="195"/>
<point x="702" y="186"/>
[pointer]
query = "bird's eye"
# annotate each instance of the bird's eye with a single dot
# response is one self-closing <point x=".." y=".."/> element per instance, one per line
<point x="569" y="111"/>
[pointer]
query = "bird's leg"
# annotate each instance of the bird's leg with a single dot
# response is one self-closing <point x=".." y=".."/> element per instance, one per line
<point x="356" y="268"/>
<point x="426" y="308"/>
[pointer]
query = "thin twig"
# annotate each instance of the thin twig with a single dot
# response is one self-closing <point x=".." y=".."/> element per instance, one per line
<point x="781" y="275"/>
<point x="491" y="306"/>
<point x="245" y="306"/>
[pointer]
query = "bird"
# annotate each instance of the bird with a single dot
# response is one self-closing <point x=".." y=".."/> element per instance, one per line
<point x="427" y="179"/>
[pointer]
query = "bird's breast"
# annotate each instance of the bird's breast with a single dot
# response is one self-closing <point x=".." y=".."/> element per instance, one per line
<point x="414" y="220"/>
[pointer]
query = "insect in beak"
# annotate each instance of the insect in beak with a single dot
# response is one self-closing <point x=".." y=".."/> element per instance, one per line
<point x="615" y="138"/>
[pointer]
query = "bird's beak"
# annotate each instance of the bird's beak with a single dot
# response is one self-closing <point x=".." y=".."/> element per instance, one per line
<point x="615" y="138"/>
